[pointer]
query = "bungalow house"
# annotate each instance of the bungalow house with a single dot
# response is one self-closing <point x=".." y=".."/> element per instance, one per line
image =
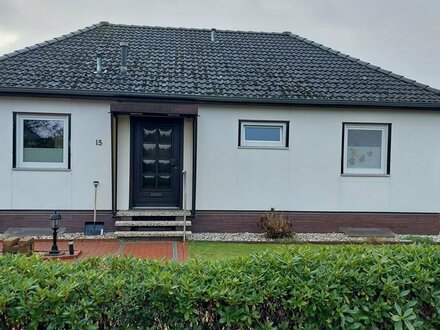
<point x="217" y="126"/>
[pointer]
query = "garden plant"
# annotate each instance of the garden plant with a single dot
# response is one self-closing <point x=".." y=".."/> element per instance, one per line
<point x="299" y="287"/>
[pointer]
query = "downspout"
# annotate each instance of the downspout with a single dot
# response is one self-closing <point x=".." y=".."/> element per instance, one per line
<point x="114" y="164"/>
<point x="194" y="167"/>
<point x="116" y="160"/>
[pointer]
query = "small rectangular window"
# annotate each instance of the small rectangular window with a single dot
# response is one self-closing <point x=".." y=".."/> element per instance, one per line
<point x="263" y="134"/>
<point x="42" y="141"/>
<point x="365" y="149"/>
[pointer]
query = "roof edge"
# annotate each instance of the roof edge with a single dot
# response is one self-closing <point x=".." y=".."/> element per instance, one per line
<point x="51" y="41"/>
<point x="368" y="65"/>
<point x="114" y="95"/>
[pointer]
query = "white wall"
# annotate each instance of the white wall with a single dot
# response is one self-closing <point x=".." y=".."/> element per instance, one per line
<point x="73" y="189"/>
<point x="307" y="176"/>
<point x="123" y="196"/>
<point x="188" y="159"/>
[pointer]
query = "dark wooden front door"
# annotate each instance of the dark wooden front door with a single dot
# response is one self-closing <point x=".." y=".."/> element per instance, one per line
<point x="157" y="158"/>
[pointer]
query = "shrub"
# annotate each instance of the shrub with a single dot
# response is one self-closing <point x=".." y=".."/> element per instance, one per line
<point x="300" y="287"/>
<point x="276" y="225"/>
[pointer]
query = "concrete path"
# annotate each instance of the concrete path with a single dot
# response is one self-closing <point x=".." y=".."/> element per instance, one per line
<point x="167" y="250"/>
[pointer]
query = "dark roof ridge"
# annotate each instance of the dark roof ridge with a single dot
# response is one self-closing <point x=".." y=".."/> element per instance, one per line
<point x="194" y="29"/>
<point x="51" y="41"/>
<point x="368" y="65"/>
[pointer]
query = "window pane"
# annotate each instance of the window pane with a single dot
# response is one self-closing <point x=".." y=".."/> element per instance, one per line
<point x="165" y="135"/>
<point x="150" y="135"/>
<point x="164" y="166"/>
<point x="165" y="151"/>
<point x="262" y="133"/>
<point x="364" y="149"/>
<point x="148" y="166"/>
<point x="149" y="150"/>
<point x="149" y="182"/>
<point x="164" y="182"/>
<point x="43" y="140"/>
<point x="364" y="138"/>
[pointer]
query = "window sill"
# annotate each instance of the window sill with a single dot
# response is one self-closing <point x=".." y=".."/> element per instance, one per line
<point x="365" y="175"/>
<point x="263" y="147"/>
<point x="36" y="169"/>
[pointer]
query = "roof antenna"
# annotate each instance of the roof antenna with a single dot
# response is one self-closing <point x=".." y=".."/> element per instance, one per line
<point x="98" y="63"/>
<point x="124" y="52"/>
<point x="213" y="31"/>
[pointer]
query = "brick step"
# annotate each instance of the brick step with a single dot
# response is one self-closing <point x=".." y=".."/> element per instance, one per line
<point x="149" y="234"/>
<point x="153" y="213"/>
<point x="151" y="223"/>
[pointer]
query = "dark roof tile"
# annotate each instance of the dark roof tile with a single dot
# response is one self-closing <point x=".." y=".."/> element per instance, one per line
<point x="181" y="62"/>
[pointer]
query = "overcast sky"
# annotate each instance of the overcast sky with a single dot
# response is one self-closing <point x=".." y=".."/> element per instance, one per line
<point x="399" y="35"/>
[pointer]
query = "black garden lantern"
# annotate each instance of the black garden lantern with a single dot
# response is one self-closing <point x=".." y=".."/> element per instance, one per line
<point x="55" y="219"/>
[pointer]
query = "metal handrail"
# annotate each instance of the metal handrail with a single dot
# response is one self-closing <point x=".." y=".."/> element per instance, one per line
<point x="185" y="196"/>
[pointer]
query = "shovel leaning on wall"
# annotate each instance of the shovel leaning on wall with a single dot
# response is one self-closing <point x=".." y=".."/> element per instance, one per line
<point x="94" y="228"/>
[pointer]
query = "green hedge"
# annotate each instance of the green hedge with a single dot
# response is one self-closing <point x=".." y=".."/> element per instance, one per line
<point x="303" y="287"/>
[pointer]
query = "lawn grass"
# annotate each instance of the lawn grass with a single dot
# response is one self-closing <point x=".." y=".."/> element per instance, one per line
<point x="228" y="250"/>
<point x="222" y="250"/>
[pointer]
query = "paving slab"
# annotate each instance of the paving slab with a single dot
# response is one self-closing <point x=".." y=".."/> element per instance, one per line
<point x="158" y="250"/>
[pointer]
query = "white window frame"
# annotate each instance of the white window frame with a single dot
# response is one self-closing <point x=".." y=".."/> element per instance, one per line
<point x="383" y="170"/>
<point x="281" y="144"/>
<point x="20" y="164"/>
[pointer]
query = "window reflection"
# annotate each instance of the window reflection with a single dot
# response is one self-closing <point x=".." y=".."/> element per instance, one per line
<point x="43" y="140"/>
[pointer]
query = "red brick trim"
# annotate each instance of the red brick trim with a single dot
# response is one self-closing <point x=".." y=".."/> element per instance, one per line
<point x="72" y="220"/>
<point x="241" y="221"/>
<point x="319" y="222"/>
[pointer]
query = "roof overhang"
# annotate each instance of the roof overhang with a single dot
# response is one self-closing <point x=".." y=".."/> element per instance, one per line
<point x="115" y="96"/>
<point x="186" y="110"/>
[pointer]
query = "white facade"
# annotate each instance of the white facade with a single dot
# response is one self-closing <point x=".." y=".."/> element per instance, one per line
<point x="306" y="176"/>
<point x="59" y="189"/>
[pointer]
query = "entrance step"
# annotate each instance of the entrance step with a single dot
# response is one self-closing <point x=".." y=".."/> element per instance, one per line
<point x="153" y="213"/>
<point x="150" y="234"/>
<point x="151" y="223"/>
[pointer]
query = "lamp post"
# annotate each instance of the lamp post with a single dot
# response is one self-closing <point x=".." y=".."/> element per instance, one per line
<point x="55" y="222"/>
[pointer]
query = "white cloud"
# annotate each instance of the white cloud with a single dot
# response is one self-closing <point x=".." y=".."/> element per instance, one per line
<point x="7" y="39"/>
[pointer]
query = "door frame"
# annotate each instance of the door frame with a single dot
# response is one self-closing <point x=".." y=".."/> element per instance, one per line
<point x="176" y="120"/>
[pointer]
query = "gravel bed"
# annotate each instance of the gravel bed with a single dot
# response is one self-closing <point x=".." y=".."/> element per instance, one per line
<point x="260" y="237"/>
<point x="303" y="237"/>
